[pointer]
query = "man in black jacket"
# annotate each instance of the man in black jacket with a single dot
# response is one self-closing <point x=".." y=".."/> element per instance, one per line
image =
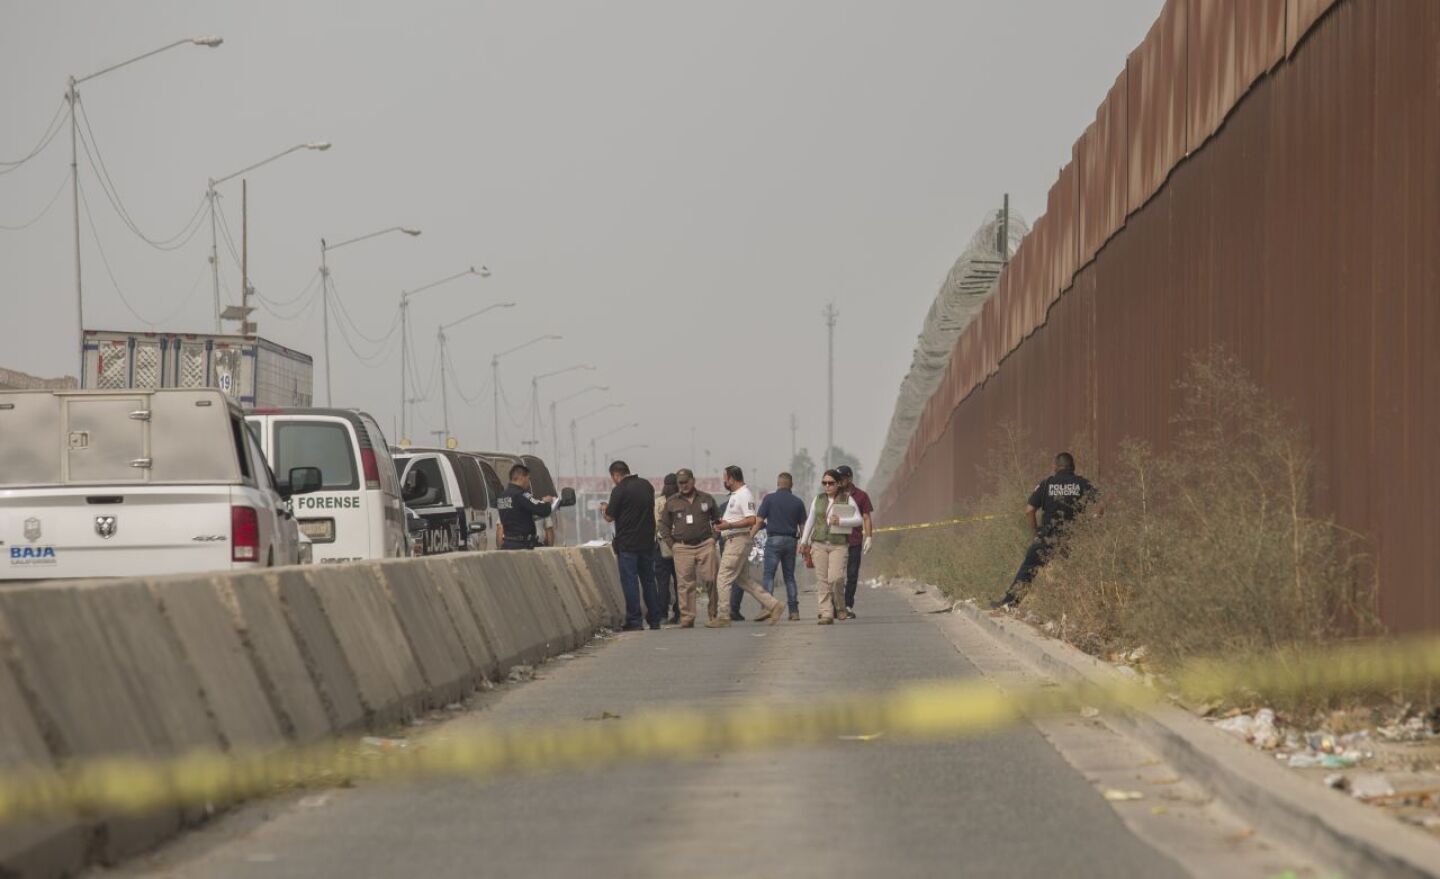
<point x="632" y="509"/>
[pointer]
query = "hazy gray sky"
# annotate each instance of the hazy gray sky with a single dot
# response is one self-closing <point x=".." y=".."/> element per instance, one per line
<point x="675" y="187"/>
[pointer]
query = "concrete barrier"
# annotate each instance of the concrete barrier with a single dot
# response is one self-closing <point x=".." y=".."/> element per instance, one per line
<point x="206" y="633"/>
<point x="425" y="621"/>
<point x="37" y="848"/>
<point x="159" y="666"/>
<point x="324" y="661"/>
<point x="259" y="620"/>
<point x="387" y="674"/>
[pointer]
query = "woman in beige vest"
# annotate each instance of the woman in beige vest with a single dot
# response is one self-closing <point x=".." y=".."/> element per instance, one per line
<point x="826" y="543"/>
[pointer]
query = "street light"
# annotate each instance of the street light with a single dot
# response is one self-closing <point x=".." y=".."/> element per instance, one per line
<point x="554" y="424"/>
<point x="575" y="447"/>
<point x="405" y="295"/>
<point x="325" y="288"/>
<point x="594" y="460"/>
<point x="440" y="335"/>
<point x="615" y="453"/>
<point x="535" y="404"/>
<point x="211" y="195"/>
<point x="495" y="376"/>
<point x="72" y="97"/>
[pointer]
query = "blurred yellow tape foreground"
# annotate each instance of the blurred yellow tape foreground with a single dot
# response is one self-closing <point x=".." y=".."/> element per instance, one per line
<point x="938" y="524"/>
<point x="927" y="711"/>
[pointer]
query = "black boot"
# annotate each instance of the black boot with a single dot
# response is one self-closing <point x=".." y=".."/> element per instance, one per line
<point x="1010" y="599"/>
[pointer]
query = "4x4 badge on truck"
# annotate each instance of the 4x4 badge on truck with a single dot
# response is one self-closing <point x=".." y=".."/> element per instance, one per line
<point x="32" y="529"/>
<point x="105" y="526"/>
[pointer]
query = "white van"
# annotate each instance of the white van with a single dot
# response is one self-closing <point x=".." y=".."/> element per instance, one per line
<point x="457" y="500"/>
<point x="357" y="512"/>
<point x="137" y="482"/>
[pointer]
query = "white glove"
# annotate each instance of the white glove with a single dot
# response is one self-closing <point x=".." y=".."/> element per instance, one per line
<point x="865" y="547"/>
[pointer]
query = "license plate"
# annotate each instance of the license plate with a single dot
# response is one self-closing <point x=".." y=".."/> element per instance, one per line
<point x="318" y="530"/>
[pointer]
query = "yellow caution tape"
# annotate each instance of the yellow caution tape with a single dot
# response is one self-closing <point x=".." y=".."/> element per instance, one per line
<point x="937" y="710"/>
<point x="939" y="524"/>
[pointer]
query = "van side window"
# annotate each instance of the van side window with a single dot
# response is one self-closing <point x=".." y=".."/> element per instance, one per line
<point x="258" y="465"/>
<point x="437" y="495"/>
<point x="242" y="451"/>
<point x="389" y="481"/>
<point x="323" y="444"/>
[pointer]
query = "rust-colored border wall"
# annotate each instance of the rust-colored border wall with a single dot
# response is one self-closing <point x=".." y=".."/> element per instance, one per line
<point x="1301" y="234"/>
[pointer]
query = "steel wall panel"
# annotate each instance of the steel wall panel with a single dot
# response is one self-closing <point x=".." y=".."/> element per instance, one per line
<point x="1301" y="238"/>
<point x="1156" y="75"/>
<point x="1259" y="38"/>
<point x="1210" y="65"/>
<point x="1064" y="211"/>
<point x="1301" y="15"/>
<point x="1104" y="172"/>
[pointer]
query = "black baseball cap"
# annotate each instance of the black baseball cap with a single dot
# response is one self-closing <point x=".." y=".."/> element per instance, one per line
<point x="845" y="471"/>
<point x="671" y="479"/>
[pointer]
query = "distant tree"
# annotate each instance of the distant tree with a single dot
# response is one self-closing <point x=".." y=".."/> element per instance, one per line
<point x="802" y="467"/>
<point x="839" y="456"/>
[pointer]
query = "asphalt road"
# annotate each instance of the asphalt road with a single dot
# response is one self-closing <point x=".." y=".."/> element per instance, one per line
<point x="1003" y="805"/>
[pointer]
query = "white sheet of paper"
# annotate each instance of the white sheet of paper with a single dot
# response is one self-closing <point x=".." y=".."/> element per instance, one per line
<point x="689" y="519"/>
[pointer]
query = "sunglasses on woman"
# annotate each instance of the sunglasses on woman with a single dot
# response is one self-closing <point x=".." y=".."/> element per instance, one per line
<point x="827" y="482"/>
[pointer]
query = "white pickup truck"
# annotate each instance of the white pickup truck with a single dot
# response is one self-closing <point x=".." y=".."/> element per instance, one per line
<point x="138" y="482"/>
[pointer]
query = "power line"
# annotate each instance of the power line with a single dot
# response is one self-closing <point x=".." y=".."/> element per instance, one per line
<point x="105" y="261"/>
<point x="52" y="129"/>
<point x="43" y="211"/>
<point x="112" y="194"/>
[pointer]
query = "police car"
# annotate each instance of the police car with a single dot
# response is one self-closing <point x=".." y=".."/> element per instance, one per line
<point x="357" y="512"/>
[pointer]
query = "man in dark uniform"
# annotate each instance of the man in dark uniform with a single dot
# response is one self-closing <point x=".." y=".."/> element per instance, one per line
<point x="519" y="510"/>
<point x="1059" y="499"/>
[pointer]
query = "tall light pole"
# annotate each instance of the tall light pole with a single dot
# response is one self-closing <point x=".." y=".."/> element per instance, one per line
<point x="535" y="402"/>
<point x="440" y="336"/>
<point x="830" y="314"/>
<point x="495" y="376"/>
<point x="555" y="425"/>
<point x="405" y="295"/>
<point x="211" y="196"/>
<point x="575" y="447"/>
<point x="325" y="287"/>
<point x="72" y="97"/>
<point x="615" y="453"/>
<point x="594" y="459"/>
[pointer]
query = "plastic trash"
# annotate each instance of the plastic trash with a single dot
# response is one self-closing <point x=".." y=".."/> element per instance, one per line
<point x="1121" y="796"/>
<point x="1370" y="785"/>
<point x="1240" y="726"/>
<point x="1263" y="732"/>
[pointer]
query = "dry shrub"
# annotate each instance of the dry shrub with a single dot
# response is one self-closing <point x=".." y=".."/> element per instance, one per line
<point x="1213" y="548"/>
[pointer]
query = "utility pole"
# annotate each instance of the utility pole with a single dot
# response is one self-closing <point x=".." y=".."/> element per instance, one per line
<point x="73" y="96"/>
<point x="246" y="327"/>
<point x="1004" y="238"/>
<point x="831" y="313"/>
<point x="794" y="426"/>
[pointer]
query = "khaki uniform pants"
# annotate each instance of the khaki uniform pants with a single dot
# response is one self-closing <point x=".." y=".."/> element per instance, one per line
<point x="830" y="561"/>
<point x="694" y="565"/>
<point x="735" y="570"/>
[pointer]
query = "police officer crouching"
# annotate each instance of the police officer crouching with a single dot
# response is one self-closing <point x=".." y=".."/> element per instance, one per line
<point x="1059" y="498"/>
<point x="519" y="510"/>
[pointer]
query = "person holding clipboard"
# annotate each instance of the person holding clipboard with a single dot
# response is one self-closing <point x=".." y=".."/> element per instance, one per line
<point x="826" y="543"/>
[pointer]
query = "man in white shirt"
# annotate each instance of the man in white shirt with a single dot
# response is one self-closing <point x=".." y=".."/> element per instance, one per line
<point x="734" y="527"/>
